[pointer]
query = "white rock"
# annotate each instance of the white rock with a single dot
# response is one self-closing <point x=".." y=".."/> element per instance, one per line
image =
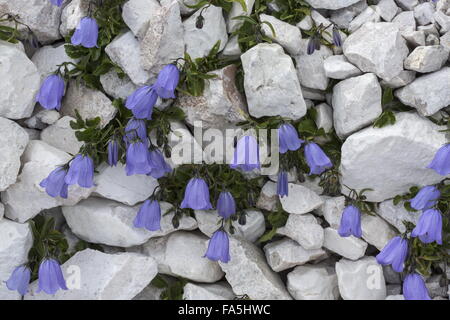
<point x="47" y="59"/>
<point x="424" y="13"/>
<point x="363" y="49"/>
<point x="181" y="254"/>
<point x="300" y="200"/>
<point x="238" y="10"/>
<point x="396" y="214"/>
<point x="286" y="253"/>
<point x="332" y="209"/>
<point x="368" y="15"/>
<point x="324" y="117"/>
<point x="368" y="163"/>
<point x="20" y="82"/>
<point x="183" y="9"/>
<point x="387" y="9"/>
<point x="60" y="135"/>
<point x="271" y="83"/>
<point x="71" y="15"/>
<point x="305" y="229"/>
<point x="376" y="231"/>
<point x="216" y="291"/>
<point x="405" y="22"/>
<point x="344" y="16"/>
<point x="94" y="275"/>
<point x="15" y="241"/>
<point x="429" y="93"/>
<point x="90" y="103"/>
<point x="2" y="211"/>
<point x="116" y="87"/>
<point x="332" y="5"/>
<point x="348" y="247"/>
<point x="407" y="4"/>
<point x="445" y="41"/>
<point x="13" y="140"/>
<point x="427" y="58"/>
<point x="286" y="35"/>
<point x="199" y="42"/>
<point x="338" y="67"/>
<point x="414" y="38"/>
<point x="356" y="103"/>
<point x="268" y="198"/>
<point x="429" y="29"/>
<point x="248" y="273"/>
<point x="432" y="40"/>
<point x="405" y="77"/>
<point x="361" y="280"/>
<point x="312" y="94"/>
<point x="137" y="15"/>
<point x="232" y="48"/>
<point x="327" y="33"/>
<point x="443" y="20"/>
<point x="313" y="283"/>
<point x="306" y="23"/>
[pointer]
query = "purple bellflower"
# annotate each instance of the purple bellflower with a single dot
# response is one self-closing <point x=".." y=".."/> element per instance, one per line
<point x="81" y="171"/>
<point x="316" y="159"/>
<point x="86" y="33"/>
<point x="219" y="247"/>
<point x="51" y="92"/>
<point x="350" y="222"/>
<point x="288" y="138"/>
<point x="282" y="184"/>
<point x="246" y="154"/>
<point x="135" y="129"/>
<point x="51" y="278"/>
<point x="55" y="184"/>
<point x="441" y="161"/>
<point x="196" y="195"/>
<point x="167" y="81"/>
<point x="414" y="288"/>
<point x="19" y="280"/>
<point x="113" y="152"/>
<point x="159" y="166"/>
<point x="426" y="198"/>
<point x="226" y="206"/>
<point x="141" y="102"/>
<point x="429" y="227"/>
<point x="394" y="253"/>
<point x="149" y="216"/>
<point x="337" y="40"/>
<point x="137" y="161"/>
<point x="57" y="2"/>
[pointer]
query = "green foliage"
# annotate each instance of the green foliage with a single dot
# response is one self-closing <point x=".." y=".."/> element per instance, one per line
<point x="274" y="220"/>
<point x="291" y="11"/>
<point x="9" y="30"/>
<point x="390" y="105"/>
<point x="173" y="290"/>
<point x="358" y="199"/>
<point x="406" y="197"/>
<point x="224" y="4"/>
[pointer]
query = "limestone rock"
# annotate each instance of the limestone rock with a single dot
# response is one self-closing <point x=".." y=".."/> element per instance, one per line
<point x="332" y="209"/>
<point x="47" y="59"/>
<point x="268" y="197"/>
<point x="137" y="15"/>
<point x="238" y="10"/>
<point x="404" y="78"/>
<point x="405" y="22"/>
<point x="338" y="67"/>
<point x="332" y="5"/>
<point x="324" y="117"/>
<point x="304" y="229"/>
<point x="60" y="135"/>
<point x="343" y="17"/>
<point x="376" y="231"/>
<point x="396" y="214"/>
<point x="424" y="13"/>
<point x="427" y="58"/>
<point x="348" y="247"/>
<point x="117" y="87"/>
<point x="300" y="200"/>
<point x="368" y="15"/>
<point x="387" y="9"/>
<point x="71" y="15"/>
<point x="216" y="291"/>
<point x="286" y="35"/>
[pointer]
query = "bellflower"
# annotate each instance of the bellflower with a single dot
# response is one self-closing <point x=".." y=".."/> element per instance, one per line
<point x="394" y="253"/>
<point x="113" y="152"/>
<point x="167" y="81"/>
<point x="288" y="138"/>
<point x="149" y="216"/>
<point x="219" y="247"/>
<point x="426" y="198"/>
<point x="51" y="278"/>
<point x="441" y="161"/>
<point x="159" y="166"/>
<point x="141" y="102"/>
<point x="350" y="222"/>
<point x="55" y="184"/>
<point x="196" y="195"/>
<point x="414" y="288"/>
<point x="429" y="227"/>
<point x="282" y="184"/>
<point x="51" y="92"/>
<point x="86" y="33"/>
<point x="246" y="154"/>
<point x="317" y="160"/>
<point x="19" y="280"/>
<point x="226" y="206"/>
<point x="337" y="40"/>
<point x="313" y="45"/>
<point x="57" y="2"/>
<point x="135" y="128"/>
<point x="137" y="161"/>
<point x="81" y="171"/>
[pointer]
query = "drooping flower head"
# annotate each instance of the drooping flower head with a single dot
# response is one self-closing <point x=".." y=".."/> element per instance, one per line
<point x="167" y="81"/>
<point x="219" y="247"/>
<point x="57" y="2"/>
<point x="149" y="216"/>
<point x="414" y="288"/>
<point x="158" y="164"/>
<point x="441" y="161"/>
<point x="196" y="195"/>
<point x="81" y="171"/>
<point x="137" y="161"/>
<point x="316" y="159"/>
<point x="86" y="33"/>
<point x="394" y="253"/>
<point x="350" y="222"/>
<point x="282" y="184"/>
<point x="246" y="154"/>
<point x="55" y="184"/>
<point x="135" y="129"/>
<point x="51" y="92"/>
<point x="337" y="40"/>
<point x="141" y="102"/>
<point x="19" y="280"/>
<point x="51" y="278"/>
<point x="288" y="138"/>
<point x="113" y="152"/>
<point x="429" y="227"/>
<point x="426" y="198"/>
<point x="226" y="206"/>
<point x="313" y="44"/>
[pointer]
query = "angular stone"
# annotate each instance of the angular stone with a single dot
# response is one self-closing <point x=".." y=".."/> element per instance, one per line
<point x="442" y="19"/>
<point x="362" y="48"/>
<point x="324" y="117"/>
<point x="387" y="9"/>
<point x="138" y="13"/>
<point x="268" y="198"/>
<point x="71" y="15"/>
<point x="185" y="11"/>
<point x="407" y="4"/>
<point x="47" y="59"/>
<point x="94" y="275"/>
<point x="396" y="214"/>
<point x="238" y="10"/>
<point x="286" y="35"/>
<point x="181" y="254"/>
<point x="60" y="135"/>
<point x="432" y="40"/>
<point x="306" y="23"/>
<point x="429" y="93"/>
<point x="20" y="82"/>
<point x="300" y="200"/>
<point x="427" y="58"/>
<point x="313" y="283"/>
<point x="361" y="280"/>
<point x="41" y="118"/>
<point x="271" y="83"/>
<point x="344" y="16"/>
<point x="248" y="273"/>
<point x="305" y="229"/>
<point x="367" y="162"/>
<point x="415" y="38"/>
<point x="338" y="67"/>
<point x="332" y="5"/>
<point x="116" y="87"/>
<point x="405" y="77"/>
<point x="405" y="22"/>
<point x="368" y="15"/>
<point x="376" y="231"/>
<point x="332" y="209"/>
<point x="424" y="13"/>
<point x="348" y="247"/>
<point x="445" y="41"/>
<point x="232" y="48"/>
<point x="216" y="291"/>
<point x="286" y="253"/>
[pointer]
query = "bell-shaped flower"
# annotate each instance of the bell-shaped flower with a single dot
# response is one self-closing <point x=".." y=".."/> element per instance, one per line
<point x="196" y="195"/>
<point x="55" y="184"/>
<point x="441" y="160"/>
<point x="51" y="92"/>
<point x="350" y="222"/>
<point x="86" y="33"/>
<point x="316" y="159"/>
<point x="167" y="81"/>
<point x="283" y="184"/>
<point x="426" y="198"/>
<point x="313" y="44"/>
<point x="57" y="2"/>
<point x="137" y="159"/>
<point x="394" y="253"/>
<point x="51" y="278"/>
<point x="246" y="154"/>
<point x="81" y="171"/>
<point x="141" y="102"/>
<point x="429" y="227"/>
<point x="113" y="152"/>
<point x="159" y="166"/>
<point x="337" y="40"/>
<point x="226" y="206"/>
<point x="219" y="247"/>
<point x="149" y="216"/>
<point x="288" y="138"/>
<point x="414" y="288"/>
<point x="135" y="129"/>
<point x="19" y="280"/>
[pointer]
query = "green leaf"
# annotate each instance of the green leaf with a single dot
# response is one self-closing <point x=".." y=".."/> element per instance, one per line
<point x="388" y="96"/>
<point x="385" y="119"/>
<point x="268" y="235"/>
